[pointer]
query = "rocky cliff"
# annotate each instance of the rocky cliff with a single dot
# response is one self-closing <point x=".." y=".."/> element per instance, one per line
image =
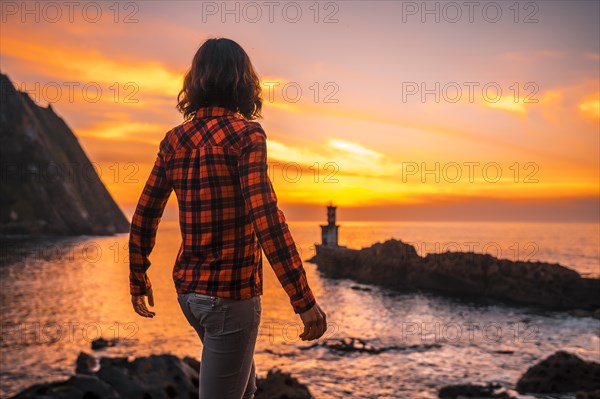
<point x="396" y="264"/>
<point x="49" y="186"/>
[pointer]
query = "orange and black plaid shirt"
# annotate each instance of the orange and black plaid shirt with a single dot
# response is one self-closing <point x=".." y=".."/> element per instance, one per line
<point x="217" y="165"/>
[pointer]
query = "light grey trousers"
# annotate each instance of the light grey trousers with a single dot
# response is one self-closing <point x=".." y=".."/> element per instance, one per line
<point x="228" y="329"/>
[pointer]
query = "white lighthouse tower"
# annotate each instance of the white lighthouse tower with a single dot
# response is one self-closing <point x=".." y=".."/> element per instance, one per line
<point x="329" y="231"/>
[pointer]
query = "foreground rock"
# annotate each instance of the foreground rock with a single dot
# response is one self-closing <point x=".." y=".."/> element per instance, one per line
<point x="49" y="186"/>
<point x="157" y="377"/>
<point x="561" y="372"/>
<point x="397" y="265"/>
<point x="473" y="391"/>
<point x="280" y="385"/>
<point x="588" y="395"/>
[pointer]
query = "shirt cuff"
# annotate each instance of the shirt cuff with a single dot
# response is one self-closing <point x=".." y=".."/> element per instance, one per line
<point x="140" y="287"/>
<point x="305" y="303"/>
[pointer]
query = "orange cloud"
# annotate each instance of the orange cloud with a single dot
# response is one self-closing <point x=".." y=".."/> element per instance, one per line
<point x="591" y="107"/>
<point x="124" y="131"/>
<point x="508" y="103"/>
<point x="92" y="66"/>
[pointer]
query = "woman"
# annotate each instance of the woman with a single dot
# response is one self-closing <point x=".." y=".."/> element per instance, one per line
<point x="216" y="162"/>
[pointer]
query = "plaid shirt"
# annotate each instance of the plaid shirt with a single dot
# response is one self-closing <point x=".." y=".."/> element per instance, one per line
<point x="217" y="165"/>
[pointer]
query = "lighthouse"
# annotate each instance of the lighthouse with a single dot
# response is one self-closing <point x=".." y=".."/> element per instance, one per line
<point x="329" y="231"/>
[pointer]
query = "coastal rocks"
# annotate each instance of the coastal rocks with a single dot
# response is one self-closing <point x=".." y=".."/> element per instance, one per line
<point x="85" y="364"/>
<point x="359" y="288"/>
<point x="586" y="313"/>
<point x="102" y="343"/>
<point x="77" y="387"/>
<point x="588" y="395"/>
<point x="49" y="186"/>
<point x="351" y="344"/>
<point x="192" y="362"/>
<point x="164" y="376"/>
<point x="473" y="391"/>
<point x="560" y="372"/>
<point x="397" y="265"/>
<point x="156" y="376"/>
<point x="280" y="385"/>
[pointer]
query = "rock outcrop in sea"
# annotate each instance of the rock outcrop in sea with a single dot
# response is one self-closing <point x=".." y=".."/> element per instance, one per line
<point x="397" y="265"/>
<point x="49" y="186"/>
<point x="359" y="345"/>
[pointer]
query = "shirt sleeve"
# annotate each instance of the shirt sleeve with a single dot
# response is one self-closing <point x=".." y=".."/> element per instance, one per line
<point x="269" y="222"/>
<point x="145" y="221"/>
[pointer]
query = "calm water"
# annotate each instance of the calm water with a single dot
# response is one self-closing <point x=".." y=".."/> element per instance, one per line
<point x="58" y="295"/>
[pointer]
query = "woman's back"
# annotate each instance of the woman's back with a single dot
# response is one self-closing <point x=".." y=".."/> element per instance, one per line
<point x="216" y="162"/>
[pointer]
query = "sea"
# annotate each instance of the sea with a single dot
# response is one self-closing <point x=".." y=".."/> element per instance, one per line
<point x="59" y="294"/>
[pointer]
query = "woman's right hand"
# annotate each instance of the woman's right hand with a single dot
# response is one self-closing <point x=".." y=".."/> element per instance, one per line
<point x="315" y="323"/>
<point x="139" y="304"/>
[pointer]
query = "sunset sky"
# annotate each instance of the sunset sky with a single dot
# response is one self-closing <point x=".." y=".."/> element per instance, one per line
<point x="393" y="110"/>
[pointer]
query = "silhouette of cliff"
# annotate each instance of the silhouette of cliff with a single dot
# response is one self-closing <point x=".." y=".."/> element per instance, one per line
<point x="49" y="186"/>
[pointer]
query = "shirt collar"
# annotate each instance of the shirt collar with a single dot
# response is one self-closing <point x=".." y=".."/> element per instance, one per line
<point x="205" y="112"/>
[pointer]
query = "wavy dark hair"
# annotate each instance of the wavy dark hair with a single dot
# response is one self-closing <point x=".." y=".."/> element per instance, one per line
<point x="221" y="75"/>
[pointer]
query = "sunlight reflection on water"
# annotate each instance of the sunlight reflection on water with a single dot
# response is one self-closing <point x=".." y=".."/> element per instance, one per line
<point x="58" y="295"/>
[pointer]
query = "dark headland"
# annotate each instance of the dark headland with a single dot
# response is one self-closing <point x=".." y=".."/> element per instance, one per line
<point x="49" y="186"/>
